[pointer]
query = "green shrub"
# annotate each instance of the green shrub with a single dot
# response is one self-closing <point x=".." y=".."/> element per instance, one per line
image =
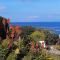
<point x="12" y="56"/>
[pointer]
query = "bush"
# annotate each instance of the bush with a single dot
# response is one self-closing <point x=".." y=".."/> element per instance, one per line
<point x="24" y="51"/>
<point x="12" y="56"/>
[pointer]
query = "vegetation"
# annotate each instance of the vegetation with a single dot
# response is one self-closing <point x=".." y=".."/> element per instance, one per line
<point x="51" y="37"/>
<point x="57" y="47"/>
<point x="38" y="36"/>
<point x="22" y="43"/>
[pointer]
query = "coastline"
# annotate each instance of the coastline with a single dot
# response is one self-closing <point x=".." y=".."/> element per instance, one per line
<point x="55" y="26"/>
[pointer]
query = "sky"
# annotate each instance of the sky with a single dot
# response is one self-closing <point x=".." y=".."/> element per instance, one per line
<point x="30" y="10"/>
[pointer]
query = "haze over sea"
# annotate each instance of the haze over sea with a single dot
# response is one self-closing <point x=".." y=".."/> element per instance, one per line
<point x="47" y="25"/>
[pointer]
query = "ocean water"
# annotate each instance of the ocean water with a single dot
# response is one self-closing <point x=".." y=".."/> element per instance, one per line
<point x="47" y="25"/>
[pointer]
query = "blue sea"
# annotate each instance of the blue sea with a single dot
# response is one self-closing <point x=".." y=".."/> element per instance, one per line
<point x="47" y="25"/>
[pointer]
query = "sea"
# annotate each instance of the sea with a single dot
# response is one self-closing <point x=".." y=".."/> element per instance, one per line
<point x="55" y="26"/>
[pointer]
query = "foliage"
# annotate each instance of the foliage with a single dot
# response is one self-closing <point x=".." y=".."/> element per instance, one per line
<point x="51" y="38"/>
<point x="12" y="56"/>
<point x="38" y="35"/>
<point x="24" y="50"/>
<point x="1" y="19"/>
<point x="3" y="52"/>
<point x="41" y="55"/>
<point x="22" y="47"/>
<point x="5" y="43"/>
<point x="27" y="30"/>
<point x="3" y="27"/>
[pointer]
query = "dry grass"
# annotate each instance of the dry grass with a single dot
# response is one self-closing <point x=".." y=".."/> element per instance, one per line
<point x="56" y="47"/>
<point x="55" y="57"/>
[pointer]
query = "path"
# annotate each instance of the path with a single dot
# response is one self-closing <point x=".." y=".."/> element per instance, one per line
<point x="54" y="51"/>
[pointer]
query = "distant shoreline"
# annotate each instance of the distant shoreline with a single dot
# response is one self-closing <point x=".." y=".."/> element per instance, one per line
<point x="46" y="25"/>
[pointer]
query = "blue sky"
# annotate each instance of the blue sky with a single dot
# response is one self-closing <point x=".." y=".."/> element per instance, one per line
<point x="31" y="10"/>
